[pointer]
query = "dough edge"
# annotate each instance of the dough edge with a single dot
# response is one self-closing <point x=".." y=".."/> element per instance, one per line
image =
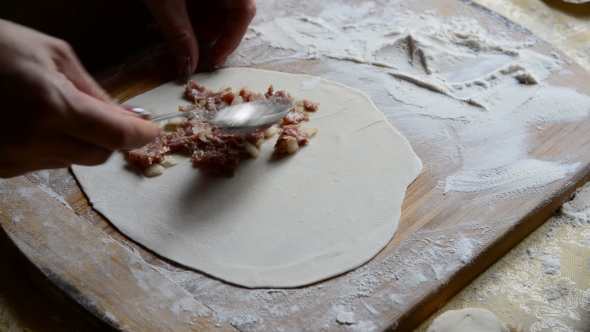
<point x="306" y="271"/>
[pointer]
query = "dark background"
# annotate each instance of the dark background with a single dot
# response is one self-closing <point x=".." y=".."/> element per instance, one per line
<point x="103" y="33"/>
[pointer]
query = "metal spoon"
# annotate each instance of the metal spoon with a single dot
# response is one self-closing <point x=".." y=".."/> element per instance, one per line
<point x="245" y="117"/>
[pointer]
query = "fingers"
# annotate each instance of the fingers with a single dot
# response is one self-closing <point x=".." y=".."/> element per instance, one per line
<point x="241" y="13"/>
<point x="99" y="123"/>
<point x="107" y="126"/>
<point x="71" y="150"/>
<point x="51" y="154"/>
<point x="173" y="19"/>
<point x="84" y="117"/>
<point x="54" y="113"/>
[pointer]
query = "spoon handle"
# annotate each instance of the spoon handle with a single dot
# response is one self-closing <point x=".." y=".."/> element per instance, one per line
<point x="148" y="116"/>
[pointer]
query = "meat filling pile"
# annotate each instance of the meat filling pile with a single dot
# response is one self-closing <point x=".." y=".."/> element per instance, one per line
<point x="219" y="151"/>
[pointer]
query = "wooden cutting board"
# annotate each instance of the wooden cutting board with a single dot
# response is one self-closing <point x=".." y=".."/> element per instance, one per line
<point x="103" y="274"/>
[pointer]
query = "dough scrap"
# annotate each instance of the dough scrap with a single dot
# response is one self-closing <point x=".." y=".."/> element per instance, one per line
<point x="280" y="222"/>
<point x="467" y="320"/>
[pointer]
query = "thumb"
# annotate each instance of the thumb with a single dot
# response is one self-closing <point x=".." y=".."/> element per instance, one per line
<point x="175" y="24"/>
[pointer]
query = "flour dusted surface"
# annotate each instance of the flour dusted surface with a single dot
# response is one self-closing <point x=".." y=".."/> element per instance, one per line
<point x="492" y="86"/>
<point x="453" y="139"/>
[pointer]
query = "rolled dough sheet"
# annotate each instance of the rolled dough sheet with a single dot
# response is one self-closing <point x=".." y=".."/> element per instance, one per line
<point x="280" y="222"/>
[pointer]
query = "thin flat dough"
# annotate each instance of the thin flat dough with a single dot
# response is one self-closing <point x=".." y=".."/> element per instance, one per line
<point x="285" y="222"/>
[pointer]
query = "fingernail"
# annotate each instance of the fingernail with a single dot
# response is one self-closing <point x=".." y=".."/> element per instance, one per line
<point x="126" y="107"/>
<point x="183" y="66"/>
<point x="138" y="111"/>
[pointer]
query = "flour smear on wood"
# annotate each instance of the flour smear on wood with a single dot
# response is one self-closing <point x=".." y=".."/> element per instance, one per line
<point x="472" y="93"/>
<point x="487" y="90"/>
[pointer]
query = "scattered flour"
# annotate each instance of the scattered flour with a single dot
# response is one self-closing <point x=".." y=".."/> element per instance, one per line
<point x="523" y="174"/>
<point x="188" y="304"/>
<point x="369" y="308"/>
<point x="106" y="241"/>
<point x="343" y="316"/>
<point x="491" y="86"/>
<point x="52" y="193"/>
<point x="110" y="317"/>
<point x="396" y="298"/>
<point x="241" y="319"/>
<point x="528" y="282"/>
<point x="43" y="180"/>
<point x="364" y="326"/>
<point x="552" y="263"/>
<point x="465" y="248"/>
<point x="354" y="295"/>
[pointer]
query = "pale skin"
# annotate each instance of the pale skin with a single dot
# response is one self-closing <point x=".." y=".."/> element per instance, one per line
<point x="53" y="112"/>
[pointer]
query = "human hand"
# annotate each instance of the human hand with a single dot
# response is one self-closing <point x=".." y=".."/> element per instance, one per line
<point x="53" y="113"/>
<point x="186" y="23"/>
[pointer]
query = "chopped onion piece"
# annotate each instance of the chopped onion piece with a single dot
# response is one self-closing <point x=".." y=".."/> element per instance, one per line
<point x="169" y="161"/>
<point x="219" y="151"/>
<point x="310" y="132"/>
<point x="250" y="148"/>
<point x="154" y="170"/>
<point x="292" y="145"/>
<point x="271" y="131"/>
<point x="237" y="100"/>
<point x="177" y="121"/>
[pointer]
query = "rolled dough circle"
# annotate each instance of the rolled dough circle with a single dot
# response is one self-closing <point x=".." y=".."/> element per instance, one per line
<point x="280" y="222"/>
<point x="467" y="320"/>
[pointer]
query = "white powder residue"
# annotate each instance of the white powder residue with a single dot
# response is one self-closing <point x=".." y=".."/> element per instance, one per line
<point x="369" y="308"/>
<point x="343" y="316"/>
<point x="187" y="304"/>
<point x="110" y="317"/>
<point x="551" y="263"/>
<point x="16" y="218"/>
<point x="528" y="280"/>
<point x="364" y="326"/>
<point x="25" y="192"/>
<point x="387" y="282"/>
<point x="396" y="298"/>
<point x="578" y="209"/>
<point x="140" y="278"/>
<point x="241" y="319"/>
<point x="106" y="241"/>
<point x="415" y="278"/>
<point x="464" y="248"/>
<point x="49" y="224"/>
<point x="491" y="86"/>
<point x="47" y="181"/>
<point x="522" y="175"/>
<point x="52" y="193"/>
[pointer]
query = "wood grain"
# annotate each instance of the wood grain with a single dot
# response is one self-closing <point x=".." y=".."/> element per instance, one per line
<point x="90" y="261"/>
<point x="97" y="272"/>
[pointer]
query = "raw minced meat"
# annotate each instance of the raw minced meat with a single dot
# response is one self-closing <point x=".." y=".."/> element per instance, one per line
<point x="292" y="138"/>
<point x="219" y="151"/>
